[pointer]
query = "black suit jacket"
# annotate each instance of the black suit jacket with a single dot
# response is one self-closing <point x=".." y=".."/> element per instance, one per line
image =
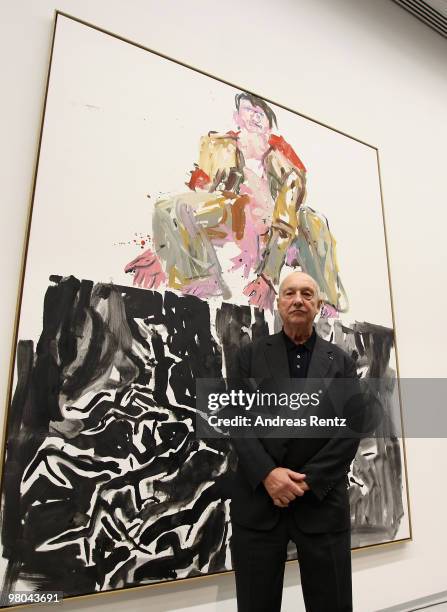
<point x="326" y="462"/>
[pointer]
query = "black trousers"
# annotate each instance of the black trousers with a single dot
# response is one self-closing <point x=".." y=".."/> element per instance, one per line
<point x="324" y="561"/>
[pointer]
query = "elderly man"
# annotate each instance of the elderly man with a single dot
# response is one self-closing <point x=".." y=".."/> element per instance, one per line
<point x="293" y="489"/>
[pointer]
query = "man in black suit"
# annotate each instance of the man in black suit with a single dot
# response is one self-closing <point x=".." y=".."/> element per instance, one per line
<point x="293" y="489"/>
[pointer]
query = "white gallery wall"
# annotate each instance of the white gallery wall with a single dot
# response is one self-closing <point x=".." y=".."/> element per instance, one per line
<point x="362" y="66"/>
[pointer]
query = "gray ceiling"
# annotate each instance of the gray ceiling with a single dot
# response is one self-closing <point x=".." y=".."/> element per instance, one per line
<point x="432" y="12"/>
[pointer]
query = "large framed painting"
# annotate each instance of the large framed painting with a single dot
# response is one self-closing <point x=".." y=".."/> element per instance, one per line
<point x="167" y="206"/>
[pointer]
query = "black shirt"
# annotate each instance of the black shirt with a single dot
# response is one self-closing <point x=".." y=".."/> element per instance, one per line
<point x="299" y="355"/>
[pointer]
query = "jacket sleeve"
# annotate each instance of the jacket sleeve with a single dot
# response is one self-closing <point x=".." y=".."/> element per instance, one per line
<point x="332" y="462"/>
<point x="255" y="461"/>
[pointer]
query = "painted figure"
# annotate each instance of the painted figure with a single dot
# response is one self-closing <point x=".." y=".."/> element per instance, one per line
<point x="248" y="187"/>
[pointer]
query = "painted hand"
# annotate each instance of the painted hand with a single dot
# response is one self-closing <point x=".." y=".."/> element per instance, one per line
<point x="260" y="293"/>
<point x="147" y="270"/>
<point x="244" y="260"/>
<point x="203" y="288"/>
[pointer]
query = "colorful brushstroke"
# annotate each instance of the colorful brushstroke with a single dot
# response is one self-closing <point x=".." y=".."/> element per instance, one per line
<point x="249" y="188"/>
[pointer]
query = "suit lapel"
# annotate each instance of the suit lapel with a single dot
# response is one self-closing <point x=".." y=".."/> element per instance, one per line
<point x="321" y="361"/>
<point x="320" y="367"/>
<point x="276" y="357"/>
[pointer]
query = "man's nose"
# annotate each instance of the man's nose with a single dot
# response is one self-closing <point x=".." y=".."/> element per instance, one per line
<point x="297" y="299"/>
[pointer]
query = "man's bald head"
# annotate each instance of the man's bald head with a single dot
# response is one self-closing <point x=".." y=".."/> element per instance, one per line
<point x="287" y="280"/>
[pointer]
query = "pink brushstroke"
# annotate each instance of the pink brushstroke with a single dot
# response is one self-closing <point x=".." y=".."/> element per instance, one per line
<point x="147" y="270"/>
<point x="203" y="288"/>
<point x="248" y="257"/>
<point x="329" y="312"/>
<point x="292" y="255"/>
<point x="260" y="293"/>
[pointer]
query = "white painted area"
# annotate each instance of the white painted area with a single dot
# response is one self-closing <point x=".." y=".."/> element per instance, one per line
<point x="116" y="139"/>
<point x="364" y="68"/>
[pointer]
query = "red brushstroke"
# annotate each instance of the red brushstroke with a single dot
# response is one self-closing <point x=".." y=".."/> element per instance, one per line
<point x="199" y="179"/>
<point x="279" y="144"/>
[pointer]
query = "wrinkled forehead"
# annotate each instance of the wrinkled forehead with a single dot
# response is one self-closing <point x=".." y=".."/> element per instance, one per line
<point x="297" y="281"/>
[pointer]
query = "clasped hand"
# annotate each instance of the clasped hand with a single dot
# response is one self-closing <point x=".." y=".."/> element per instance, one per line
<point x="284" y="485"/>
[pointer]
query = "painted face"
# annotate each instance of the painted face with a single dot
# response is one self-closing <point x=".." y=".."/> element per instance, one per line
<point x="298" y="302"/>
<point x="251" y="118"/>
